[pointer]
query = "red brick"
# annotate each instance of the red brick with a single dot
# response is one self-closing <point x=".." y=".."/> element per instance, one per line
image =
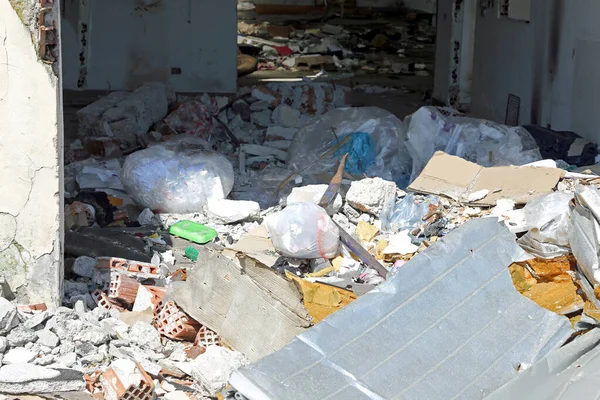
<point x="121" y="264"/>
<point x="172" y="322"/>
<point x="102" y="300"/>
<point x="206" y="337"/>
<point x="112" y="384"/>
<point x="123" y="288"/>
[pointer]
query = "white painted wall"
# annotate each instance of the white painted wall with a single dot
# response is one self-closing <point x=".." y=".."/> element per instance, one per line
<point x="30" y="154"/>
<point x="550" y="63"/>
<point x="128" y="45"/>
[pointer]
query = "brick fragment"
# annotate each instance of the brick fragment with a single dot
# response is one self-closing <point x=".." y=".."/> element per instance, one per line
<point x="129" y="266"/>
<point x="114" y="386"/>
<point x="123" y="288"/>
<point x="29" y="308"/>
<point x="207" y="337"/>
<point x="102" y="300"/>
<point x="172" y="322"/>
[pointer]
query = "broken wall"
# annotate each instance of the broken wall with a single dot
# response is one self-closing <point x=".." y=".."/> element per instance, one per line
<point x="549" y="62"/>
<point x="30" y="162"/>
<point x="121" y="44"/>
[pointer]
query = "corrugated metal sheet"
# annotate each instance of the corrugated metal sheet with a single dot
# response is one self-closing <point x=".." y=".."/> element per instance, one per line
<point x="570" y="373"/>
<point x="449" y="325"/>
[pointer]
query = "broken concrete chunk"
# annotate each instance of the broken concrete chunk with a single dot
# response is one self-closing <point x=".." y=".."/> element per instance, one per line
<point x="131" y="116"/>
<point x="313" y="194"/>
<point x="280" y="133"/>
<point x="262" y="118"/>
<point x="92" y="335"/>
<point x="3" y="344"/>
<point x="371" y="194"/>
<point x="31" y="379"/>
<point x="286" y="116"/>
<point x="260" y="105"/>
<point x="47" y="338"/>
<point x="145" y="336"/>
<point x="67" y="360"/>
<point x="20" y="336"/>
<point x="18" y="355"/>
<point x="212" y="370"/>
<point x="85" y="266"/>
<point x="36" y="319"/>
<point x="22" y="372"/>
<point x="8" y="316"/>
<point x="231" y="211"/>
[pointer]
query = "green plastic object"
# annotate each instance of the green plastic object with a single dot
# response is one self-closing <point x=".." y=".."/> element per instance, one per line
<point x="193" y="231"/>
<point x="191" y="253"/>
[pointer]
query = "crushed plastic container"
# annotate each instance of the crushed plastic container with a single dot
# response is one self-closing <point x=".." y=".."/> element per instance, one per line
<point x="193" y="232"/>
<point x="304" y="230"/>
<point x="406" y="213"/>
<point x="178" y="176"/>
<point x="372" y="137"/>
<point x="483" y="142"/>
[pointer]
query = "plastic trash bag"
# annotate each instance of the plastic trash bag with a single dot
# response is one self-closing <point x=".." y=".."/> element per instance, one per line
<point x="376" y="145"/>
<point x="304" y="230"/>
<point x="483" y="142"/>
<point x="548" y="221"/>
<point x="178" y="176"/>
<point x="406" y="214"/>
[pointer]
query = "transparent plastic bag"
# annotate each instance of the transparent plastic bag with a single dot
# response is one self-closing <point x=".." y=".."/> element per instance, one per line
<point x="548" y="221"/>
<point x="483" y="142"/>
<point x="376" y="146"/>
<point x="406" y="213"/>
<point x="304" y="230"/>
<point x="178" y="176"/>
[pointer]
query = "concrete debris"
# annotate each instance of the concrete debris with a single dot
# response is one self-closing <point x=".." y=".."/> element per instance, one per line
<point x="18" y="355"/>
<point x="21" y="378"/>
<point x="212" y="370"/>
<point x="169" y="281"/>
<point x="232" y="211"/>
<point x="20" y="336"/>
<point x="371" y="194"/>
<point x="8" y="316"/>
<point x="314" y="194"/>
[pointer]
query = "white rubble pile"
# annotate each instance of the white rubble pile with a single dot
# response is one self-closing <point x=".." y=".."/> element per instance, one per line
<point x="63" y="345"/>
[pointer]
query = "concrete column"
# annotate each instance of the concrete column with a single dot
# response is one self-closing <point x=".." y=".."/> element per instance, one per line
<point x="31" y="191"/>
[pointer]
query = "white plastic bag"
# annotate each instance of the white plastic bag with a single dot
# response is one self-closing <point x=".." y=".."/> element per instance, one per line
<point x="178" y="176"/>
<point x="483" y="142"/>
<point x="304" y="230"/>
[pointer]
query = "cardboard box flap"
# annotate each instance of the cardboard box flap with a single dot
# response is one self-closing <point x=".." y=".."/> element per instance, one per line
<point x="456" y="178"/>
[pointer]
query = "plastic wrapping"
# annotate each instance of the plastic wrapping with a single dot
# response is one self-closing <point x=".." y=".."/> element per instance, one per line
<point x="406" y="213"/>
<point x="304" y="230"/>
<point x="178" y="176"/>
<point x="548" y="221"/>
<point x="376" y="147"/>
<point x="483" y="142"/>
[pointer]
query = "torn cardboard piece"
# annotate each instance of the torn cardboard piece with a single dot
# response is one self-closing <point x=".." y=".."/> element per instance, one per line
<point x="257" y="245"/>
<point x="254" y="309"/>
<point x="449" y="324"/>
<point x="460" y="180"/>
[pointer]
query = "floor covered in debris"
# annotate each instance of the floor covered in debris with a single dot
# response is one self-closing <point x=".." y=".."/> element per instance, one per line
<point x="323" y="233"/>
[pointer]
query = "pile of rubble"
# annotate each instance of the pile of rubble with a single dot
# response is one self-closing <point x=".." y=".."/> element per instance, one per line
<point x="382" y="47"/>
<point x="192" y="221"/>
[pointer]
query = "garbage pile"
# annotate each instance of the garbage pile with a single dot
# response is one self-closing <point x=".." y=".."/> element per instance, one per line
<point x="382" y="47"/>
<point x="202" y="256"/>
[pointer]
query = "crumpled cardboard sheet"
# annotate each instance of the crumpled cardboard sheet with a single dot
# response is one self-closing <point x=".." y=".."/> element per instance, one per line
<point x="448" y="325"/>
<point x="571" y="372"/>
